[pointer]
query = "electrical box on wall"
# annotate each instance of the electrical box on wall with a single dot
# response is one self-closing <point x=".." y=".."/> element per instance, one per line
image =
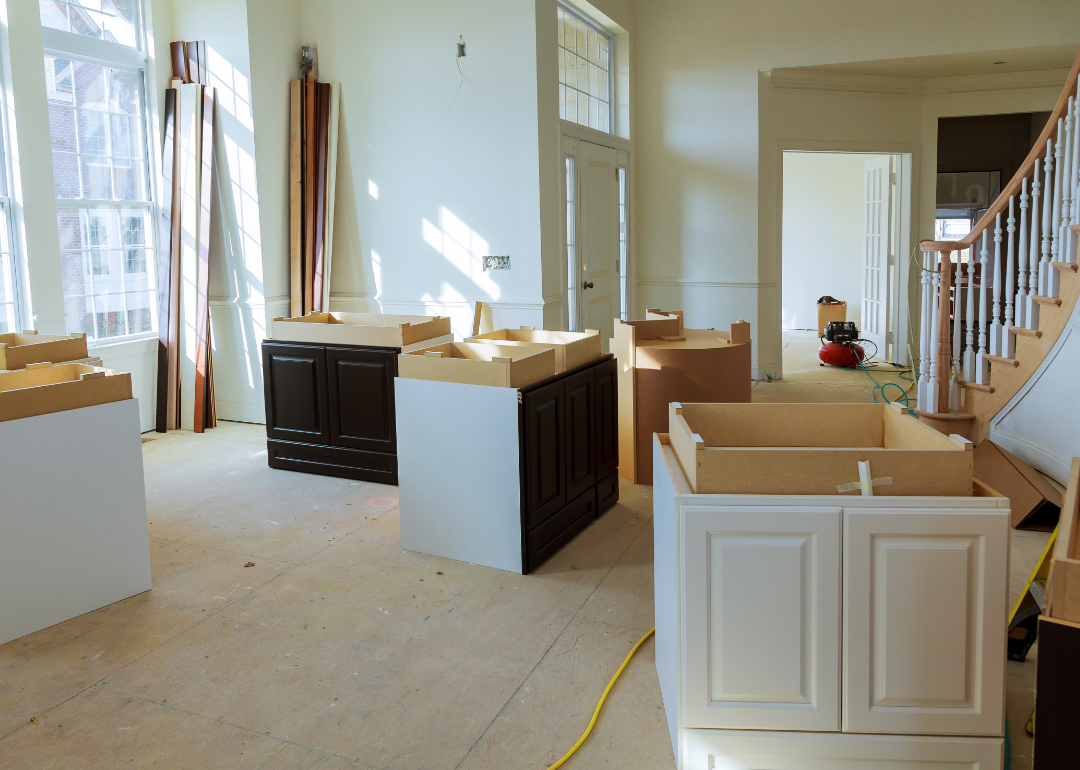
<point x="497" y="263"/>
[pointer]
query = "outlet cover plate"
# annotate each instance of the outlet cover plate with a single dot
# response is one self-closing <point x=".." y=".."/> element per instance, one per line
<point x="497" y="263"/>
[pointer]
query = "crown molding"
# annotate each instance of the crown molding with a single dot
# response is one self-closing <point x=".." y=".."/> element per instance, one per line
<point x="804" y="79"/>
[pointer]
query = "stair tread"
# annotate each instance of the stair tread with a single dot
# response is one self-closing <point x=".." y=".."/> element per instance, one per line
<point x="1065" y="266"/>
<point x="1047" y="300"/>
<point x="976" y="386"/>
<point x="1001" y="360"/>
<point x="1023" y="331"/>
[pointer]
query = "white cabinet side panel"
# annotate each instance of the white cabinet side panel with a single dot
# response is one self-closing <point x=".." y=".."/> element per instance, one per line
<point x="665" y="590"/>
<point x="73" y="535"/>
<point x="731" y="750"/>
<point x="925" y="621"/>
<point x="458" y="472"/>
<point x="761" y="621"/>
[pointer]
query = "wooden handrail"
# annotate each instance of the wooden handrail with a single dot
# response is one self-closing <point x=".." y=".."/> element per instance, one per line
<point x="1013" y="187"/>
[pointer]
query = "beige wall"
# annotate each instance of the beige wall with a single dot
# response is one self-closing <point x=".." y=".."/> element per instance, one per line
<point x="704" y="227"/>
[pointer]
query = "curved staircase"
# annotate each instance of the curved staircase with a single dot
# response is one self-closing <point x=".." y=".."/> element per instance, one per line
<point x="989" y="322"/>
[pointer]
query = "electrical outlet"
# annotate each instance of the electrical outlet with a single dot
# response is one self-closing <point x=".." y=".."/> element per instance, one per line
<point x="497" y="263"/>
<point x="461" y="47"/>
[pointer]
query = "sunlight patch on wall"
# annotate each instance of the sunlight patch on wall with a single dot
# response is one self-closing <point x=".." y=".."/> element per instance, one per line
<point x="462" y="247"/>
<point x="234" y="90"/>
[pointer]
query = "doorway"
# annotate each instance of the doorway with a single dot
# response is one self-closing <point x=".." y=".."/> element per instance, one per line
<point x="596" y="225"/>
<point x="845" y="232"/>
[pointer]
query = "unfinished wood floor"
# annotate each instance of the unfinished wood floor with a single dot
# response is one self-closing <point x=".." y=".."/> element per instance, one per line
<point x="339" y="650"/>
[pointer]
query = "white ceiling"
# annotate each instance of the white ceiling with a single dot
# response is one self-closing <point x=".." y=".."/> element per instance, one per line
<point x="951" y="65"/>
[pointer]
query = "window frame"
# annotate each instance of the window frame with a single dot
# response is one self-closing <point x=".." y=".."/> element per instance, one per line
<point x="582" y="18"/>
<point x="75" y="47"/>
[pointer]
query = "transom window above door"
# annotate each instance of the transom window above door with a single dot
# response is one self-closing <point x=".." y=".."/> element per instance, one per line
<point x="585" y="72"/>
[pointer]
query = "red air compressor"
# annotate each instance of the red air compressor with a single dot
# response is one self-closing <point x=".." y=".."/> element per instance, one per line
<point x="841" y="349"/>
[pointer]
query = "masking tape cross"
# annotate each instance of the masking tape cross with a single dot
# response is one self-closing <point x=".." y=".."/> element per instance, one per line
<point x="865" y="483"/>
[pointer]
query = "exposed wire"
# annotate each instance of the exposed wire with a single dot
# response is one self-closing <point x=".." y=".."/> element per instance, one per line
<point x="461" y="79"/>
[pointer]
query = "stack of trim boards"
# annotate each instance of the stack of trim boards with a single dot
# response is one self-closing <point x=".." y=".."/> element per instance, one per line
<point x="313" y="108"/>
<point x="185" y="363"/>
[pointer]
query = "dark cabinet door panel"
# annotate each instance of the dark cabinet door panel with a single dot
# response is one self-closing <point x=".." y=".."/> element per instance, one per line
<point x="607" y="418"/>
<point x="361" y="390"/>
<point x="544" y="452"/>
<point x="580" y="432"/>
<point x="295" y="391"/>
<point x="332" y="461"/>
<point x="545" y="540"/>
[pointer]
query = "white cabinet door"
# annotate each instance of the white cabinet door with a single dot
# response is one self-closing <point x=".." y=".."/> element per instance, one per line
<point x="761" y="617"/>
<point x="731" y="750"/>
<point x="925" y="620"/>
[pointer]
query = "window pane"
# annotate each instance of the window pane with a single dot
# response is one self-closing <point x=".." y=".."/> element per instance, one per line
<point x="584" y="72"/>
<point x="111" y="20"/>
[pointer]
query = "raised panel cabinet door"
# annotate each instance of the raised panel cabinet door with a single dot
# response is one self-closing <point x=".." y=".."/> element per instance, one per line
<point x="925" y="620"/>
<point x="607" y="418"/>
<point x="361" y="389"/>
<point x="761" y="617"/>
<point x="544" y="452"/>
<point x="295" y="392"/>
<point x="580" y="432"/>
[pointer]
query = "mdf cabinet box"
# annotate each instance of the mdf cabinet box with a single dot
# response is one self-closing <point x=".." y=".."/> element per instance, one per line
<point x="572" y="349"/>
<point x="660" y="361"/>
<point x="18" y="349"/>
<point x="73" y="532"/>
<point x="328" y="382"/>
<point x="503" y="461"/>
<point x="803" y="631"/>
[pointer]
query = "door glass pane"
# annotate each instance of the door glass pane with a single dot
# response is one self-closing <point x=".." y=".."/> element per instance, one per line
<point x="571" y="245"/>
<point x="624" y="288"/>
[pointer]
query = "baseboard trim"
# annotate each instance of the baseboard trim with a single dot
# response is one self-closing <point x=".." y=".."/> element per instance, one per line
<point x="239" y="411"/>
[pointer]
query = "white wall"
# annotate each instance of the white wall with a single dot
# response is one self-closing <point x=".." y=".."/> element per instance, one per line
<point x="701" y="160"/>
<point x="823" y="229"/>
<point x="454" y="183"/>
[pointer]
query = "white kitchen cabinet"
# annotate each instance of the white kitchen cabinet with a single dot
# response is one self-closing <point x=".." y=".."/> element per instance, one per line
<point x="815" y="632"/>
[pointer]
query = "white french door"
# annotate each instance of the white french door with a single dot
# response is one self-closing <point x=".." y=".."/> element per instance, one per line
<point x="877" y="239"/>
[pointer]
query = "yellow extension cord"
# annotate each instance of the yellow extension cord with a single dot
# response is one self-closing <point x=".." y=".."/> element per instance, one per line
<point x="600" y="705"/>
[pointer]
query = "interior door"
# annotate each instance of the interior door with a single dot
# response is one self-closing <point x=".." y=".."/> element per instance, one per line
<point x="925" y="603"/>
<point x="598" y="220"/>
<point x="877" y="208"/>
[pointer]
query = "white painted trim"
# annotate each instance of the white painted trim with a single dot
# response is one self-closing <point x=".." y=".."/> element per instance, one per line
<point x="592" y="136"/>
<point x="239" y="411"/>
<point x="512" y="304"/>
<point x="667" y="281"/>
<point x="126" y="348"/>
<point x="58" y="42"/>
<point x="805" y="79"/>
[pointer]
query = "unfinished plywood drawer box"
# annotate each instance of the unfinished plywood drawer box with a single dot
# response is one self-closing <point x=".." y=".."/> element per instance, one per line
<point x="572" y="349"/>
<point x="47" y="388"/>
<point x="328" y="382"/>
<point x="73" y="532"/>
<point x="807" y="631"/>
<point x="404" y="332"/>
<point x="28" y="347"/>
<point x="660" y="361"/>
<point x="502" y="462"/>
<point x="811" y="449"/>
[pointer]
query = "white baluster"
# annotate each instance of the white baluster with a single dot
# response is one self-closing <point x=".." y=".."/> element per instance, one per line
<point x="935" y="337"/>
<point x="1068" y="184"/>
<point x="956" y="370"/>
<point x="1071" y="238"/>
<point x="1008" y="339"/>
<point x="1021" y="293"/>
<point x="1031" y="307"/>
<point x="969" y="314"/>
<point x="1047" y="220"/>
<point x="982" y="366"/>
<point x="1052" y="275"/>
<point x="924" y="335"/>
<point x="995" y="282"/>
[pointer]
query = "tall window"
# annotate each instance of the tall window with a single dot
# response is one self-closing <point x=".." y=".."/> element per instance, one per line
<point x="97" y="122"/>
<point x="586" y="79"/>
<point x="624" y="284"/>
<point x="571" y="244"/>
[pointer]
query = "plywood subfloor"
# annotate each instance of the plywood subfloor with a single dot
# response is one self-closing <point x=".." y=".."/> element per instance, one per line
<point x="340" y="650"/>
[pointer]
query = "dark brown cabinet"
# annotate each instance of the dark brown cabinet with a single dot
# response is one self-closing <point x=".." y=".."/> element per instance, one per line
<point x="330" y="410"/>
<point x="569" y="442"/>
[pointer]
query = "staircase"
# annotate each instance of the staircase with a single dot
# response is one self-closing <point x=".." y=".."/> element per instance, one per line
<point x="982" y="342"/>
